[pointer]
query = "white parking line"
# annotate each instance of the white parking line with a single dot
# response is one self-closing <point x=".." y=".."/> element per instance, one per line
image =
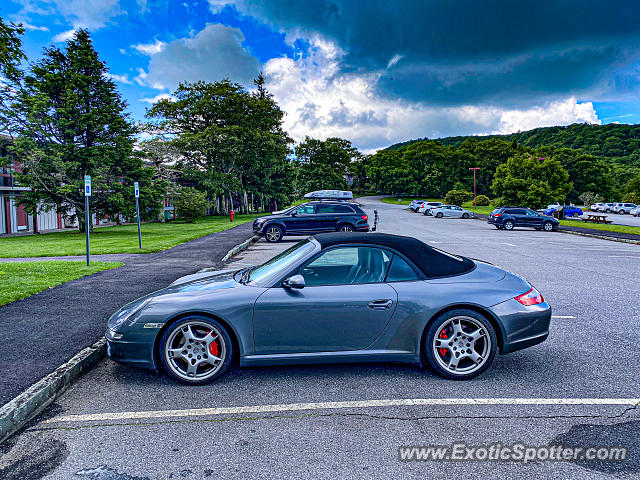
<point x="563" y="316"/>
<point x="290" y="407"/>
<point x="510" y="244"/>
<point x="623" y="256"/>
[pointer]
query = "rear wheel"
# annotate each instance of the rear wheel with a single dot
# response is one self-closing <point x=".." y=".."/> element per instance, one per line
<point x="508" y="225"/>
<point x="273" y="234"/>
<point x="345" y="228"/>
<point x="460" y="344"/>
<point x="547" y="226"/>
<point x="576" y="215"/>
<point x="195" y="350"/>
<point x="621" y="212"/>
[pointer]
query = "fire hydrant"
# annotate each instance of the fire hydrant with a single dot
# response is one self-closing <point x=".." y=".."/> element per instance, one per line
<point x="231" y="215"/>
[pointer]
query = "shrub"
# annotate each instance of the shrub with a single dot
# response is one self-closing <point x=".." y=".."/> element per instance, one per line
<point x="632" y="197"/>
<point x="482" y="201"/>
<point x="190" y="204"/>
<point x="589" y="198"/>
<point x="499" y="202"/>
<point x="457" y="197"/>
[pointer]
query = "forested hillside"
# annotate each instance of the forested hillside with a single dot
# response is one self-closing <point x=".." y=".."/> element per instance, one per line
<point x="620" y="143"/>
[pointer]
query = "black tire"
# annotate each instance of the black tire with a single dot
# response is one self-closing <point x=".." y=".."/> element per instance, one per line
<point x="508" y="225"/>
<point x="200" y="324"/>
<point x="273" y="233"/>
<point x="345" y="227"/>
<point x="547" y="226"/>
<point x="470" y="321"/>
<point x="498" y="227"/>
<point x="465" y="215"/>
<point x="576" y="215"/>
<point x="621" y="212"/>
<point x="439" y="215"/>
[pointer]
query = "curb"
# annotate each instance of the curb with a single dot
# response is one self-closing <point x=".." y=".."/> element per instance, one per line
<point x="17" y="412"/>
<point x="240" y="247"/>
<point x="602" y="237"/>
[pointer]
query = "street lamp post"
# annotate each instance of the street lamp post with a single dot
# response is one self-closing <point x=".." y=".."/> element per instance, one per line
<point x="474" y="183"/>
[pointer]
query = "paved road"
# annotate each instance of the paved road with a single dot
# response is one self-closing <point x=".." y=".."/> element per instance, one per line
<point x="44" y="330"/>
<point x="592" y="353"/>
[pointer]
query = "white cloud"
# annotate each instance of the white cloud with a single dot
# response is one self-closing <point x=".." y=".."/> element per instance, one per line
<point x="28" y="26"/>
<point x="63" y="36"/>
<point x="321" y="101"/>
<point x="91" y="14"/>
<point x="395" y="59"/>
<point x="150" y="48"/>
<point x="157" y="98"/>
<point x="119" y="78"/>
<point x="214" y="53"/>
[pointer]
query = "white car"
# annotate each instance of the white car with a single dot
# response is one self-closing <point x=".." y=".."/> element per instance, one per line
<point x="606" y="208"/>
<point x="415" y="204"/>
<point x="635" y="211"/>
<point x="426" y="207"/>
<point x="595" y="207"/>
<point x="451" y="211"/>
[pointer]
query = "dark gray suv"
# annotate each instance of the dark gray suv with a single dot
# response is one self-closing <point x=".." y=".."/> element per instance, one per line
<point x="509" y="217"/>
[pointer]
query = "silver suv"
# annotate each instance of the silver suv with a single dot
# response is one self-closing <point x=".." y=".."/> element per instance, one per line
<point x="623" y="208"/>
<point x="428" y="206"/>
<point x="606" y="207"/>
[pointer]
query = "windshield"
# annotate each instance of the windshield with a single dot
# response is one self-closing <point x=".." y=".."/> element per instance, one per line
<point x="281" y="262"/>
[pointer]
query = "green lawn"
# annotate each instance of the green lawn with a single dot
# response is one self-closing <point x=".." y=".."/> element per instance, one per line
<point x="595" y="226"/>
<point x="21" y="279"/>
<point x="116" y="239"/>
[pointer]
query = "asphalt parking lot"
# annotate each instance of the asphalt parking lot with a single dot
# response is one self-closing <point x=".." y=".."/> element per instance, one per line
<point x="165" y="430"/>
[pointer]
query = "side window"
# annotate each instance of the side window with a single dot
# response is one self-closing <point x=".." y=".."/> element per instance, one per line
<point x="342" y="209"/>
<point x="324" y="208"/>
<point x="531" y="213"/>
<point x="401" y="271"/>
<point x="305" y="210"/>
<point x="347" y="266"/>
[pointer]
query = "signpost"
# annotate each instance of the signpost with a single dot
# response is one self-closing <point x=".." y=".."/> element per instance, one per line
<point x="87" y="217"/>
<point x="137" y="190"/>
<point x="474" y="183"/>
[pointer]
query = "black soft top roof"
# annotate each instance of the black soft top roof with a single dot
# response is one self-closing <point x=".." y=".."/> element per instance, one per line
<point x="432" y="263"/>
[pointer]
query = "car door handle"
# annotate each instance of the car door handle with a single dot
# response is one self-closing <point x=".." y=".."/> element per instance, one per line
<point x="380" y="304"/>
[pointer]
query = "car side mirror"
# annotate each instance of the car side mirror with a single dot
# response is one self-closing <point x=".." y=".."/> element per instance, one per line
<point x="294" y="213"/>
<point x="295" y="281"/>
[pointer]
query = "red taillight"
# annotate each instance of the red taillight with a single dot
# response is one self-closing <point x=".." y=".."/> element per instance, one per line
<point x="530" y="297"/>
<point x="365" y="218"/>
<point x="497" y="214"/>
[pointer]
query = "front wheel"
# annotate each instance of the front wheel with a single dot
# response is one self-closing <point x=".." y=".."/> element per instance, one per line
<point x="576" y="215"/>
<point x="195" y="350"/>
<point x="273" y="234"/>
<point x="439" y="215"/>
<point x="465" y="215"/>
<point x="547" y="226"/>
<point x="345" y="228"/>
<point x="460" y="344"/>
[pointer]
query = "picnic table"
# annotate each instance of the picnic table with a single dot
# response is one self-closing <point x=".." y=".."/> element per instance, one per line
<point x="596" y="218"/>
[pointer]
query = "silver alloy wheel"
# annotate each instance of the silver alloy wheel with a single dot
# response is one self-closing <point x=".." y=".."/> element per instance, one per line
<point x="273" y="234"/>
<point x="345" y="228"/>
<point x="548" y="226"/>
<point x="195" y="351"/>
<point x="508" y="225"/>
<point x="462" y="345"/>
<point x="439" y="215"/>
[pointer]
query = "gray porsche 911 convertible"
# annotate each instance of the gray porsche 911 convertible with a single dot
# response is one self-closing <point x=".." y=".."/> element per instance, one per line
<point x="335" y="297"/>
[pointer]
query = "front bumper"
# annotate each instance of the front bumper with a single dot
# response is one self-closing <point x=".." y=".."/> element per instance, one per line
<point x="522" y="326"/>
<point x="135" y="347"/>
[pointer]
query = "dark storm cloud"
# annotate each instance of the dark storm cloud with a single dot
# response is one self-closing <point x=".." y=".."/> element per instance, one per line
<point x="461" y="51"/>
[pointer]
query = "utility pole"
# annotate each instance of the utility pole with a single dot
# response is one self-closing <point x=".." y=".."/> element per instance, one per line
<point x="474" y="183"/>
<point x="137" y="190"/>
<point x="87" y="217"/>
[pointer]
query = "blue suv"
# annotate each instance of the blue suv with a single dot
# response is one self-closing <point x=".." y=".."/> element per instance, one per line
<point x="310" y="218"/>
<point x="509" y="217"/>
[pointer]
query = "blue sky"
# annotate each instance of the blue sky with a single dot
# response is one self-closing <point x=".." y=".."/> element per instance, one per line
<point x="374" y="72"/>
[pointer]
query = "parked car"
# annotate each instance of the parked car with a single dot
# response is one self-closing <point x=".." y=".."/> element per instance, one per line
<point x="606" y="208"/>
<point x="334" y="298"/>
<point x="635" y="211"/>
<point x="623" y="208"/>
<point x="415" y="203"/>
<point x="426" y="207"/>
<point x="312" y="217"/>
<point x="596" y="206"/>
<point x="569" y="210"/>
<point x="452" y="211"/>
<point x="509" y="217"/>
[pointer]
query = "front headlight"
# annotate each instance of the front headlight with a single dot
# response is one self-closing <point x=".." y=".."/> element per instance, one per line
<point x="126" y="313"/>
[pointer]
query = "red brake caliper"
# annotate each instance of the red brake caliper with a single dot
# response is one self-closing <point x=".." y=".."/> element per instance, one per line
<point x="213" y="347"/>
<point x="443" y="351"/>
